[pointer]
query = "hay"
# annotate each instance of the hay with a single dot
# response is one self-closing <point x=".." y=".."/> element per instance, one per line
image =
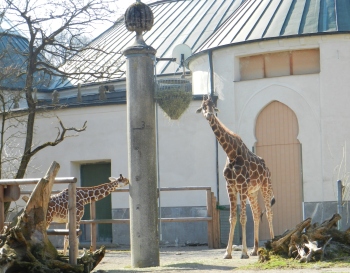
<point x="174" y="102"/>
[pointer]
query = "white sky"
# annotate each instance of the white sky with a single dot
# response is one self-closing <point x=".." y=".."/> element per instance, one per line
<point x="122" y="6"/>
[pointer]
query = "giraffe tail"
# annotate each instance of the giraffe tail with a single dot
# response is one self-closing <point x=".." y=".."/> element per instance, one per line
<point x="272" y="202"/>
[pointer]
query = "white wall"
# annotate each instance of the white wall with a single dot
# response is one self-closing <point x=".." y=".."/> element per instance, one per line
<point x="320" y="102"/>
<point x="187" y="146"/>
<point x="186" y="149"/>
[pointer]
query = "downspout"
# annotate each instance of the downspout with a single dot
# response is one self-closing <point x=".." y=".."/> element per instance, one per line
<point x="211" y="75"/>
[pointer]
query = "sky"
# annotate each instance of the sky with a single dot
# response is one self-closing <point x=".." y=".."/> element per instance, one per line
<point x="122" y="6"/>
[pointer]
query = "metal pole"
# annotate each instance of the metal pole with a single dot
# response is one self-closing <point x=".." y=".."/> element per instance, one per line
<point x="340" y="201"/>
<point x="141" y="132"/>
<point x="158" y="175"/>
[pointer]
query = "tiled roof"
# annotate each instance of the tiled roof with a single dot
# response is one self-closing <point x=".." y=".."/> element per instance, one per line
<point x="176" y="22"/>
<point x="13" y="55"/>
<point x="268" y="19"/>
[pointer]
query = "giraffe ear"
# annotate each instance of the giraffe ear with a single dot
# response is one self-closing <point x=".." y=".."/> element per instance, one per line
<point x="216" y="109"/>
<point x="199" y="110"/>
<point x="112" y="179"/>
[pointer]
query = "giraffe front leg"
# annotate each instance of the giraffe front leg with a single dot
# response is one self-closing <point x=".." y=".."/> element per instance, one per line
<point x="65" y="242"/>
<point x="233" y="220"/>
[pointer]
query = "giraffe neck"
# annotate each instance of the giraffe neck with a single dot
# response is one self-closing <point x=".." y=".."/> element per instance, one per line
<point x="231" y="143"/>
<point x="95" y="193"/>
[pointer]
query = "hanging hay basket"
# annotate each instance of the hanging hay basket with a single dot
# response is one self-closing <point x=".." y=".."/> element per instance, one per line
<point x="174" y="96"/>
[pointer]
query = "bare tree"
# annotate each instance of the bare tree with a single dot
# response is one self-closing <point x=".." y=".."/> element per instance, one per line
<point x="52" y="34"/>
<point x="55" y="29"/>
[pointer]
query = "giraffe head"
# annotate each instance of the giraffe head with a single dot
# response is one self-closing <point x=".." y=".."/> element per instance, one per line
<point x="119" y="182"/>
<point x="207" y="108"/>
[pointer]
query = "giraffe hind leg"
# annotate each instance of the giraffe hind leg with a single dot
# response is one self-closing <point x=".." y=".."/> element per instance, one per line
<point x="269" y="201"/>
<point x="243" y="220"/>
<point x="256" y="211"/>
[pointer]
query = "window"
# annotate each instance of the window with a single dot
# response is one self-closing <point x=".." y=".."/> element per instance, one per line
<point x="297" y="62"/>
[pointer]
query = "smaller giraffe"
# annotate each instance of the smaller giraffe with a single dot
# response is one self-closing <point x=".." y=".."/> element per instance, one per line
<point x="58" y="205"/>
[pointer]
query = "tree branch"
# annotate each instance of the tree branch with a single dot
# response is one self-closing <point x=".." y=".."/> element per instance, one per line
<point x="60" y="136"/>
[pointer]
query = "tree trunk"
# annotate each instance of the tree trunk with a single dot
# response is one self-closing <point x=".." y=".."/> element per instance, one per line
<point x="25" y="246"/>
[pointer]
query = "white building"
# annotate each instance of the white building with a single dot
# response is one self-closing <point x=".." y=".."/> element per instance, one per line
<point x="279" y="70"/>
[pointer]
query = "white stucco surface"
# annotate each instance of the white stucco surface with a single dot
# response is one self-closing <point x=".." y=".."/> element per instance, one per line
<point x="319" y="101"/>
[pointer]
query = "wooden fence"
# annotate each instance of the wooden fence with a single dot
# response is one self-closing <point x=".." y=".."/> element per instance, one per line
<point x="212" y="217"/>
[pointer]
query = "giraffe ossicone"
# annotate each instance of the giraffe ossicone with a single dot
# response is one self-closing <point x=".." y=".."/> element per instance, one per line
<point x="58" y="205"/>
<point x="245" y="174"/>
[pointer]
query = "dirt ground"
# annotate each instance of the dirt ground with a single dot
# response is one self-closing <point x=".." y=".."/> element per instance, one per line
<point x="191" y="259"/>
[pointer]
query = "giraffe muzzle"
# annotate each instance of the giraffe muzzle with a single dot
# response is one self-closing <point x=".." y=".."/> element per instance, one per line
<point x="208" y="115"/>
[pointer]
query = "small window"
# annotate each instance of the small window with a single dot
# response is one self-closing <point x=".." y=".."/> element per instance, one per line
<point x="277" y="64"/>
<point x="306" y="61"/>
<point x="252" y="67"/>
<point x="298" y="62"/>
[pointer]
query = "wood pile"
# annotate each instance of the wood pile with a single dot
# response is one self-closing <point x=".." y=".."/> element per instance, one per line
<point x="312" y="242"/>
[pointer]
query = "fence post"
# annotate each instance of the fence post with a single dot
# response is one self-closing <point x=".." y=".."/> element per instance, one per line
<point x="210" y="222"/>
<point x="72" y="224"/>
<point x="2" y="209"/>
<point x="340" y="202"/>
<point x="93" y="225"/>
<point x="216" y="225"/>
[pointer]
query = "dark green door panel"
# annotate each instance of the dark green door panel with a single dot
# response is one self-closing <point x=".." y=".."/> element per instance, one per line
<point x="93" y="175"/>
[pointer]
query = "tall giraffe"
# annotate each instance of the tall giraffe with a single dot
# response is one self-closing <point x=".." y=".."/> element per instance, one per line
<point x="245" y="174"/>
<point x="58" y="205"/>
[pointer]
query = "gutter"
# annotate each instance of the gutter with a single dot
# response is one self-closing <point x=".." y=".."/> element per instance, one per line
<point x="212" y="94"/>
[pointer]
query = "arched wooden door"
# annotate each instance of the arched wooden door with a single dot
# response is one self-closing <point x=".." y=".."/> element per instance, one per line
<point x="276" y="132"/>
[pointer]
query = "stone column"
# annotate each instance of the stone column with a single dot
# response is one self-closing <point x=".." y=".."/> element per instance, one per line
<point x="141" y="133"/>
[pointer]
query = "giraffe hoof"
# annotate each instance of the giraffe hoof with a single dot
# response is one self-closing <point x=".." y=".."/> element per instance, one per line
<point x="227" y="256"/>
<point x="253" y="253"/>
<point x="244" y="256"/>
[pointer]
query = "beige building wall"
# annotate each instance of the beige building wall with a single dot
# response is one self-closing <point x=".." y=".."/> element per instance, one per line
<point x="186" y="149"/>
<point x="319" y="100"/>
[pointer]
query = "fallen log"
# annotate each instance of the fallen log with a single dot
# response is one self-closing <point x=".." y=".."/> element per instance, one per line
<point x="25" y="246"/>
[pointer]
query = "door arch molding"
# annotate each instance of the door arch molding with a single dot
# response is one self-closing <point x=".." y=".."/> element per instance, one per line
<point x="276" y="133"/>
<point x="310" y="132"/>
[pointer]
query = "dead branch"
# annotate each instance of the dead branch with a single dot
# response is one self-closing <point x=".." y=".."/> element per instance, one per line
<point x="25" y="246"/>
<point x="61" y="135"/>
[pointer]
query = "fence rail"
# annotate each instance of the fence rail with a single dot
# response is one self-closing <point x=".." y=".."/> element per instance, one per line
<point x="212" y="217"/>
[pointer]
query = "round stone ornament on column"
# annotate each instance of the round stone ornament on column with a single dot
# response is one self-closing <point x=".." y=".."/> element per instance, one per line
<point x="141" y="134"/>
